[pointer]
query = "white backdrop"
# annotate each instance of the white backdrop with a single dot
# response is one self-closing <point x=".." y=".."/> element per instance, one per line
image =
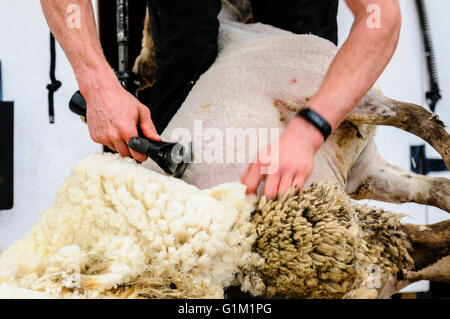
<point x="45" y="154"/>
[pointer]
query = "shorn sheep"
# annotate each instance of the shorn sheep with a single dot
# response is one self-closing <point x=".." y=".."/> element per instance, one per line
<point x="118" y="229"/>
<point x="261" y="78"/>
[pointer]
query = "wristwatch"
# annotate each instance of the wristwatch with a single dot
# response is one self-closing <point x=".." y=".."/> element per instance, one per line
<point x="316" y="120"/>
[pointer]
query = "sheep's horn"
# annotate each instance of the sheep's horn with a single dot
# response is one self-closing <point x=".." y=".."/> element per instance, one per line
<point x="379" y="110"/>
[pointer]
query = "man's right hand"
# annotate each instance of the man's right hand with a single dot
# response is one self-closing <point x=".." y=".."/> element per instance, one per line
<point x="114" y="116"/>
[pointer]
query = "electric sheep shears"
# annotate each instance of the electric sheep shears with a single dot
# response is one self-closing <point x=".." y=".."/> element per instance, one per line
<point x="173" y="158"/>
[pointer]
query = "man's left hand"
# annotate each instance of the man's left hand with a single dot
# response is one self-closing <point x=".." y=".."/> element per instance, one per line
<point x="287" y="162"/>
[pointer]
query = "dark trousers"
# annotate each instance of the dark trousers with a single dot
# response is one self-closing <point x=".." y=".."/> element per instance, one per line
<point x="185" y="35"/>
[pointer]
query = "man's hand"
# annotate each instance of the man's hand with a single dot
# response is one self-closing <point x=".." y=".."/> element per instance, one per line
<point x="354" y="70"/>
<point x="292" y="156"/>
<point x="113" y="114"/>
<point x="113" y="118"/>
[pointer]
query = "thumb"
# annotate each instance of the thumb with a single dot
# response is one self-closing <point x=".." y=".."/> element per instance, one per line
<point x="146" y="124"/>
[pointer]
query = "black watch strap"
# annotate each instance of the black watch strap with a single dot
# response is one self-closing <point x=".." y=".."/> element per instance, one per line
<point x="316" y="120"/>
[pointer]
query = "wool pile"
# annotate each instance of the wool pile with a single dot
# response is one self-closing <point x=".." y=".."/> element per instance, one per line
<point x="115" y="224"/>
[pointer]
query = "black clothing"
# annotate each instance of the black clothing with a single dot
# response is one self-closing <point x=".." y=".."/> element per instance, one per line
<point x="185" y="37"/>
<point x="317" y="17"/>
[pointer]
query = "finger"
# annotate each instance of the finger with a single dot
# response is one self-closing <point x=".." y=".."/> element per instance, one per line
<point x="146" y="124"/>
<point x="271" y="187"/>
<point x="136" y="155"/>
<point x="298" y="182"/>
<point x="251" y="178"/>
<point x="103" y="141"/>
<point x="245" y="174"/>
<point x="122" y="148"/>
<point x="110" y="146"/>
<point x="285" y="184"/>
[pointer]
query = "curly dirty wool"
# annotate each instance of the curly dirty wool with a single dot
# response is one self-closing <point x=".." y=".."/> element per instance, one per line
<point x="320" y="244"/>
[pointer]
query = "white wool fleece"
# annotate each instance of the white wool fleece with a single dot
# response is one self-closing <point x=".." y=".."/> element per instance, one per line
<point x="134" y="220"/>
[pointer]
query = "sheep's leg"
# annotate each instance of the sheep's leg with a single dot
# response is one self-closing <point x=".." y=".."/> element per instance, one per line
<point x="241" y="7"/>
<point x="429" y="243"/>
<point x="429" y="247"/>
<point x="371" y="177"/>
<point x="440" y="271"/>
<point x="392" y="286"/>
<point x="145" y="64"/>
<point x="379" y="110"/>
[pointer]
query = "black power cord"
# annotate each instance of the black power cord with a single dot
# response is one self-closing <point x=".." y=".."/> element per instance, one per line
<point x="433" y="95"/>
<point x="55" y="84"/>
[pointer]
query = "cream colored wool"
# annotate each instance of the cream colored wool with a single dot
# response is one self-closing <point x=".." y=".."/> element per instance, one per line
<point x="113" y="221"/>
<point x="319" y="244"/>
<point x="13" y="292"/>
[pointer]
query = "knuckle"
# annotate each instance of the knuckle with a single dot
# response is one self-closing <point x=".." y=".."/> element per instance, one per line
<point x="124" y="131"/>
<point x="113" y="135"/>
<point x="127" y="134"/>
<point x="94" y="135"/>
<point x="123" y="154"/>
<point x="309" y="168"/>
<point x="95" y="138"/>
<point x="144" y="109"/>
<point x="99" y="138"/>
<point x="263" y="159"/>
<point x="121" y="128"/>
<point x="123" y="151"/>
<point x="305" y="168"/>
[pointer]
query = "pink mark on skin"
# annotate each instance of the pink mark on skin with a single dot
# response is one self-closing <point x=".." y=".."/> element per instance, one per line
<point x="293" y="81"/>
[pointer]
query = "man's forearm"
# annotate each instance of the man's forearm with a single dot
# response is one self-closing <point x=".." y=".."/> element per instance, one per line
<point x="354" y="70"/>
<point x="80" y="44"/>
<point x="359" y="62"/>
<point x="114" y="114"/>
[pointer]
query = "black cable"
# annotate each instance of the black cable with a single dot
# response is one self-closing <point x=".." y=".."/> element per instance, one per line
<point x="433" y="95"/>
<point x="1" y="87"/>
<point x="55" y="84"/>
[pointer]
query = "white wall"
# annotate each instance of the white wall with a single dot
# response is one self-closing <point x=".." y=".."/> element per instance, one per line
<point x="44" y="154"/>
<point x="405" y="79"/>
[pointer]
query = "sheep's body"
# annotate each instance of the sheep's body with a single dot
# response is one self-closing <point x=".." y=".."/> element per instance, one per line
<point x="260" y="78"/>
